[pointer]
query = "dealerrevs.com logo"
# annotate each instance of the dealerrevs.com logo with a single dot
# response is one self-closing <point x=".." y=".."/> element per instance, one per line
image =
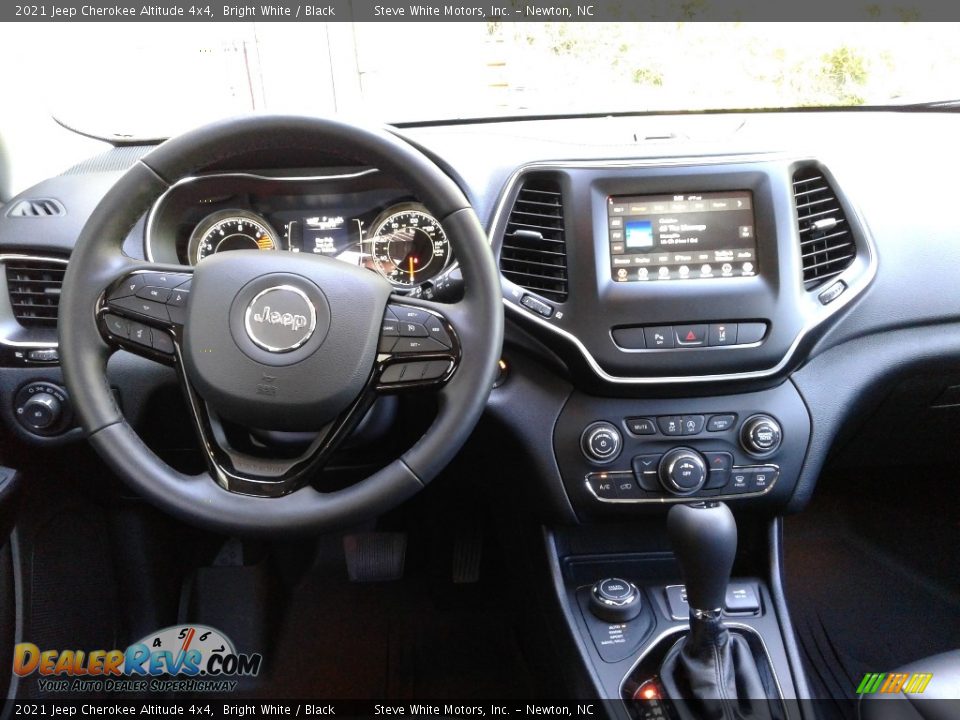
<point x="181" y="658"/>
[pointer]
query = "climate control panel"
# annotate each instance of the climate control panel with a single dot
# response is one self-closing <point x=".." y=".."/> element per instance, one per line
<point x="614" y="453"/>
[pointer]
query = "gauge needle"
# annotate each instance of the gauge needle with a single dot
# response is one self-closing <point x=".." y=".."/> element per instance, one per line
<point x="411" y="268"/>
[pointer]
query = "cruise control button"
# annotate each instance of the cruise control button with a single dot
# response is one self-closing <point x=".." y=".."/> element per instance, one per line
<point x="438" y="332"/>
<point x="127" y="288"/>
<point x="410" y="314"/>
<point x="641" y="426"/>
<point x="659" y="337"/>
<point x="386" y="344"/>
<point x="148" y="308"/>
<point x="167" y="280"/>
<point x="417" y="345"/>
<point x="670" y="424"/>
<point x="691" y="335"/>
<point x="720" y="423"/>
<point x="116" y="325"/>
<point x="722" y="334"/>
<point x="390" y="328"/>
<point x="162" y="342"/>
<point x="411" y="329"/>
<point x="141" y="334"/>
<point x="157" y="294"/>
<point x="178" y="297"/>
<point x="692" y="424"/>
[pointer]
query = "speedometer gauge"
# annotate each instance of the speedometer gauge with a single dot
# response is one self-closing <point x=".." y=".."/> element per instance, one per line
<point x="231" y="230"/>
<point x="409" y="246"/>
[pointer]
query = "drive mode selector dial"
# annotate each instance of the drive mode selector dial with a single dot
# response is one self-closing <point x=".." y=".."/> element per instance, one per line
<point x="601" y="442"/>
<point x="683" y="471"/>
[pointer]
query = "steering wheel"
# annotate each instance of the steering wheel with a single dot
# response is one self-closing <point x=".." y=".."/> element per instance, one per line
<point x="275" y="340"/>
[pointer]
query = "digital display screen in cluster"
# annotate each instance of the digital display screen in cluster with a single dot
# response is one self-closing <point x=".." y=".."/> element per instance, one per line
<point x="682" y="237"/>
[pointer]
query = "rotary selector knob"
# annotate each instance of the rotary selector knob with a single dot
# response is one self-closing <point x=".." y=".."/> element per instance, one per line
<point x="41" y="411"/>
<point x="761" y="435"/>
<point x="601" y="442"/>
<point x="42" y="408"/>
<point x="683" y="471"/>
<point x="615" y="600"/>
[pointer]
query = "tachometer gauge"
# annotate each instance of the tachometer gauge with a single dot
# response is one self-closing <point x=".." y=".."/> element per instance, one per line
<point x="231" y="230"/>
<point x="409" y="246"/>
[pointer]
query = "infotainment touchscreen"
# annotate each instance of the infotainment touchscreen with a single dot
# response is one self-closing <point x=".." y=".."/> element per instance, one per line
<point x="682" y="237"/>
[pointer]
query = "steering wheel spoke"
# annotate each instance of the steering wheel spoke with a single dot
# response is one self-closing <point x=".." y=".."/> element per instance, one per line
<point x="144" y="311"/>
<point x="419" y="347"/>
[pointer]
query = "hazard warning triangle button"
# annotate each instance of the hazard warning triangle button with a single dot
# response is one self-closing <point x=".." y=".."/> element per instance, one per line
<point x="691" y="335"/>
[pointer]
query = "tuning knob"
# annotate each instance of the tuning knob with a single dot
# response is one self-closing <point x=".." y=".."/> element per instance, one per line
<point x="683" y="471"/>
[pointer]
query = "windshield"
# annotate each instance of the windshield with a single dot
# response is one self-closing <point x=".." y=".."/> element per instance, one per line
<point x="153" y="80"/>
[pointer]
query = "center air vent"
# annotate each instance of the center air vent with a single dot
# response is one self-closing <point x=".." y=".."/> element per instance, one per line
<point x="534" y="252"/>
<point x="36" y="208"/>
<point x="34" y="287"/>
<point x="826" y="244"/>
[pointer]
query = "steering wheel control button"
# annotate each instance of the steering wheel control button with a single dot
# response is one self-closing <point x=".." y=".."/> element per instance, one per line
<point x="157" y="294"/>
<point x="720" y="423"/>
<point x="141" y="334"/>
<point x="683" y="471"/>
<point x="749" y="333"/>
<point x="601" y="442"/>
<point x="162" y="342"/>
<point x="670" y="424"/>
<point x="641" y="426"/>
<point x="692" y="424"/>
<point x="722" y="334"/>
<point x="127" y="288"/>
<point x="117" y="326"/>
<point x="439" y="333"/>
<point x="691" y="335"/>
<point x="390" y="327"/>
<point x="386" y="344"/>
<point x="417" y="344"/>
<point x="147" y="308"/>
<point x="659" y="337"/>
<point x="167" y="280"/>
<point x="761" y="435"/>
<point x="410" y="314"/>
<point x="411" y="329"/>
<point x="280" y="318"/>
<point x="615" y="600"/>
<point x="536" y="305"/>
<point x="42" y="408"/>
<point x="178" y="298"/>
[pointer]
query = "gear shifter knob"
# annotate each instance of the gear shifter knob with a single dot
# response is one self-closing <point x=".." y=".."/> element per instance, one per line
<point x="704" y="539"/>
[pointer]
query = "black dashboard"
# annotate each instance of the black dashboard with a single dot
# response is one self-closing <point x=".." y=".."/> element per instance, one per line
<point x="736" y="295"/>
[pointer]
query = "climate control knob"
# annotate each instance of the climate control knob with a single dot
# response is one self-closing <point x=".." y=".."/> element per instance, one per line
<point x="761" y="435"/>
<point x="683" y="471"/>
<point x="601" y="442"/>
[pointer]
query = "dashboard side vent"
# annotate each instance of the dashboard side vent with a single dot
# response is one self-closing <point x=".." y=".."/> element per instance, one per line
<point x="36" y="208"/>
<point x="534" y="251"/>
<point x="826" y="244"/>
<point x="34" y="287"/>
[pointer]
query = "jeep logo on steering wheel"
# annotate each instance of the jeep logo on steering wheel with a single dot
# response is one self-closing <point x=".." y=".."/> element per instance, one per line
<point x="280" y="318"/>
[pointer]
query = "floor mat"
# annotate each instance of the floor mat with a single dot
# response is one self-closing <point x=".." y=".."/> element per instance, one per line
<point x="872" y="580"/>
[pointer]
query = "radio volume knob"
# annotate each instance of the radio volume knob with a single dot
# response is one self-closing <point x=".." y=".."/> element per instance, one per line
<point x="683" y="471"/>
<point x="601" y="442"/>
<point x="761" y="435"/>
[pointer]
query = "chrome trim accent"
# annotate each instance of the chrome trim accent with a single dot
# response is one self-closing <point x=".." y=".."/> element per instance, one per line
<point x="28" y="343"/>
<point x="714" y="614"/>
<point x="854" y="289"/>
<point x="154" y="209"/>
<point x="681" y="498"/>
<point x="312" y="325"/>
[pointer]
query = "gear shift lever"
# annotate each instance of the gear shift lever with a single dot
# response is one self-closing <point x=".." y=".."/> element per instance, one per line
<point x="704" y="539"/>
<point x="711" y="671"/>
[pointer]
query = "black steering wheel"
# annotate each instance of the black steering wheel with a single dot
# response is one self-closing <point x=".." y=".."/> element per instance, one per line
<point x="279" y="340"/>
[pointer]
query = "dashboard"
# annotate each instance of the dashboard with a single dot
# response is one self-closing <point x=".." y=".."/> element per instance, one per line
<point x="353" y="215"/>
<point x="705" y="293"/>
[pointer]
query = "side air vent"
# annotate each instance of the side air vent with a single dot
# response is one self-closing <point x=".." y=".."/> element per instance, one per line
<point x="534" y="252"/>
<point x="826" y="244"/>
<point x="34" y="287"/>
<point x="35" y="208"/>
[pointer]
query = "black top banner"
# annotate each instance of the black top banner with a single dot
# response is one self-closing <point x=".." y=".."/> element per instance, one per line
<point x="483" y="11"/>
